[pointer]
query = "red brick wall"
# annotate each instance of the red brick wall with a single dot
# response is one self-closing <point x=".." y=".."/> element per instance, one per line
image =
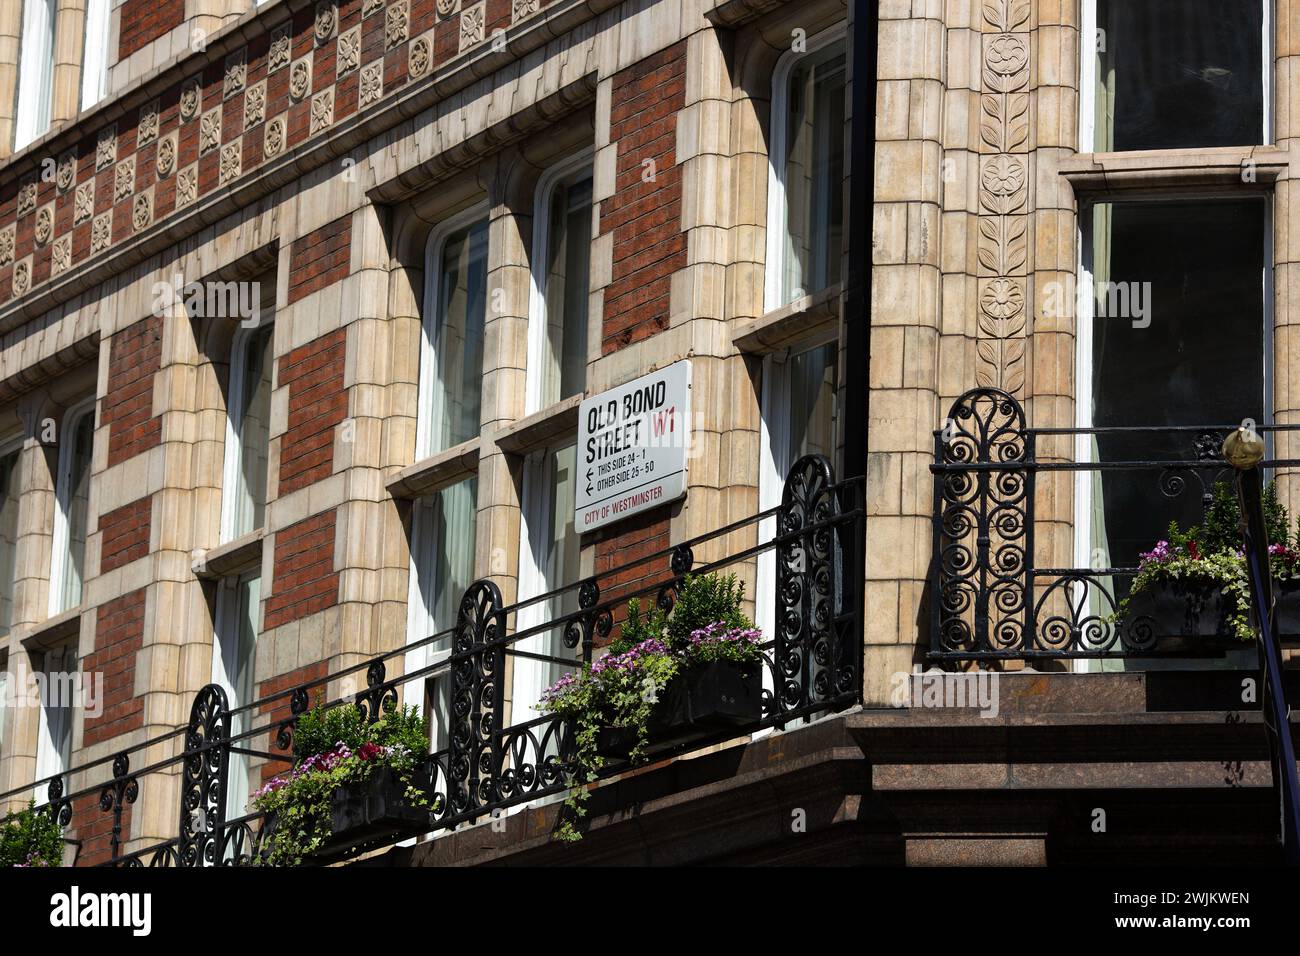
<point x="125" y="534"/>
<point x="628" y="541"/>
<point x="146" y="20"/>
<point x="644" y="217"/>
<point x="318" y="402"/>
<point x="135" y="355"/>
<point x="94" y="828"/>
<point x="119" y="633"/>
<point x="303" y="578"/>
<point x="320" y="258"/>
<point x="279" y="710"/>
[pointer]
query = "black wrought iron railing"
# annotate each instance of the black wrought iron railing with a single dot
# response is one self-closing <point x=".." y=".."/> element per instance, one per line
<point x="1006" y="502"/>
<point x="812" y="664"/>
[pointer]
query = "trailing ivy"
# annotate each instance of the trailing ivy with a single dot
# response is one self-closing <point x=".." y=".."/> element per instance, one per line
<point x="335" y="747"/>
<point x="621" y="689"/>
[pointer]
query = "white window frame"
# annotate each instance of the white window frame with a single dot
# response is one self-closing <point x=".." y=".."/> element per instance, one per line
<point x="537" y="274"/>
<point x="1088" y="75"/>
<point x="94" y="54"/>
<point x="777" y="209"/>
<point x="227" y="616"/>
<point x="1085" y="316"/>
<point x="234" y="453"/>
<point x="60" y="555"/>
<point x="429" y="321"/>
<point x="35" y="65"/>
<point x="14" y="446"/>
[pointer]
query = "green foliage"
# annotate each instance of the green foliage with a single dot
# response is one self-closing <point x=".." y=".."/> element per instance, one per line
<point x="31" y="838"/>
<point x="300" y="800"/>
<point x="622" y="689"/>
<point x="1221" y="529"/>
<point x="1223" y="569"/>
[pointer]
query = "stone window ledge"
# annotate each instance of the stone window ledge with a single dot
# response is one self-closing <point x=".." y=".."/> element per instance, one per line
<point x="234" y="557"/>
<point x="541" y="428"/>
<point x="61" y="629"/>
<point x="1165" y="169"/>
<point x="433" y="474"/>
<point x="811" y="316"/>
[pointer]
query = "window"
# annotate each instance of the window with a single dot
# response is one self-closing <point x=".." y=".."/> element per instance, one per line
<point x="451" y="367"/>
<point x="1178" y="299"/>
<point x="806" y="192"/>
<point x="9" y="497"/>
<point x="72" y="500"/>
<point x="442" y="568"/>
<point x="94" y="57"/>
<point x="1175" y="73"/>
<point x="548" y="560"/>
<point x="247" y="437"/>
<point x="561" y="282"/>
<point x="233" y="659"/>
<point x="799" y="410"/>
<point x="54" y="746"/>
<point x="35" y="71"/>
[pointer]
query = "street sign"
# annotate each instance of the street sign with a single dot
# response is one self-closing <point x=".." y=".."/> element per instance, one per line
<point x="632" y="445"/>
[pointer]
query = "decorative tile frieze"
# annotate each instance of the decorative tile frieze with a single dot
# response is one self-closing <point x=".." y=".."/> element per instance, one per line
<point x="326" y="23"/>
<point x="65" y="174"/>
<point x="255" y="105"/>
<point x="300" y="79"/>
<point x="371" y="6"/>
<point x="275" y="137"/>
<point x="22" y="279"/>
<point x="165" y="159"/>
<point x="281" y="51"/>
<point x="348" y="56"/>
<point x="419" y="56"/>
<point x="191" y="100"/>
<point x="473" y="25"/>
<point x="43" y="230"/>
<point x="210" y="130"/>
<point x="61" y="254"/>
<point x="7" y="245"/>
<point x="447" y="8"/>
<point x="101" y="232"/>
<point x="147" y="129"/>
<point x="106" y="147"/>
<point x="396" y="24"/>
<point x="523" y="8"/>
<point x="26" y="198"/>
<point x="187" y="185"/>
<point x="142" y="211"/>
<point x="124" y="179"/>
<point x="322" y="110"/>
<point x="231" y="161"/>
<point x="372" y="83"/>
<point x="236" y="75"/>
<point x="83" y="202"/>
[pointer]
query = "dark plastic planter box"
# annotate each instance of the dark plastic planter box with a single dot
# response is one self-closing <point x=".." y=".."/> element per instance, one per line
<point x="1193" y="618"/>
<point x="696" y="704"/>
<point x="372" y="812"/>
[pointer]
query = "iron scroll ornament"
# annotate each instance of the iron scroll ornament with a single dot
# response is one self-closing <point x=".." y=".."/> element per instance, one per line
<point x="203" y="778"/>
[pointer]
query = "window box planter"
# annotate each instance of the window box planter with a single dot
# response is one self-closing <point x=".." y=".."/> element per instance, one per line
<point x="1192" y="618"/>
<point x="697" y="703"/>
<point x="373" y="811"/>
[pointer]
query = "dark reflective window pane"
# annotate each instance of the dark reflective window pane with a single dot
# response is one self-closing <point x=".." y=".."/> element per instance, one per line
<point x="1175" y="73"/>
<point x="1196" y="357"/>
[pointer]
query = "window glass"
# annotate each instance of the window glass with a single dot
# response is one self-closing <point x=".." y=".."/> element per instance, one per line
<point x="812" y="404"/>
<point x="35" y="71"/>
<point x="552" y="563"/>
<point x="233" y="661"/>
<point x="9" y="494"/>
<point x="1177" y="73"/>
<point x="568" y="257"/>
<point x="252" y="407"/>
<point x="94" y="60"/>
<point x="1178" y="302"/>
<point x="74" y="500"/>
<point x="54" y="755"/>
<point x="457" y="338"/>
<point x="812" y="172"/>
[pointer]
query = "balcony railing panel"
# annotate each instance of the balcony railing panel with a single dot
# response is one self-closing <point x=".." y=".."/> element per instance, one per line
<point x="812" y="664"/>
<point x="992" y="595"/>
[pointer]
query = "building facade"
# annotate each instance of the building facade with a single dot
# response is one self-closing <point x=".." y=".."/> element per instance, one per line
<point x="299" y="301"/>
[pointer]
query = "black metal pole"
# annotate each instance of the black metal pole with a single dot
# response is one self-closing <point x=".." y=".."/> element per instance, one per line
<point x="856" y="293"/>
<point x="1276" y="719"/>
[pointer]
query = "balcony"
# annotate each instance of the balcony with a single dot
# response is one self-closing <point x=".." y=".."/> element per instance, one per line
<point x="811" y="665"/>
